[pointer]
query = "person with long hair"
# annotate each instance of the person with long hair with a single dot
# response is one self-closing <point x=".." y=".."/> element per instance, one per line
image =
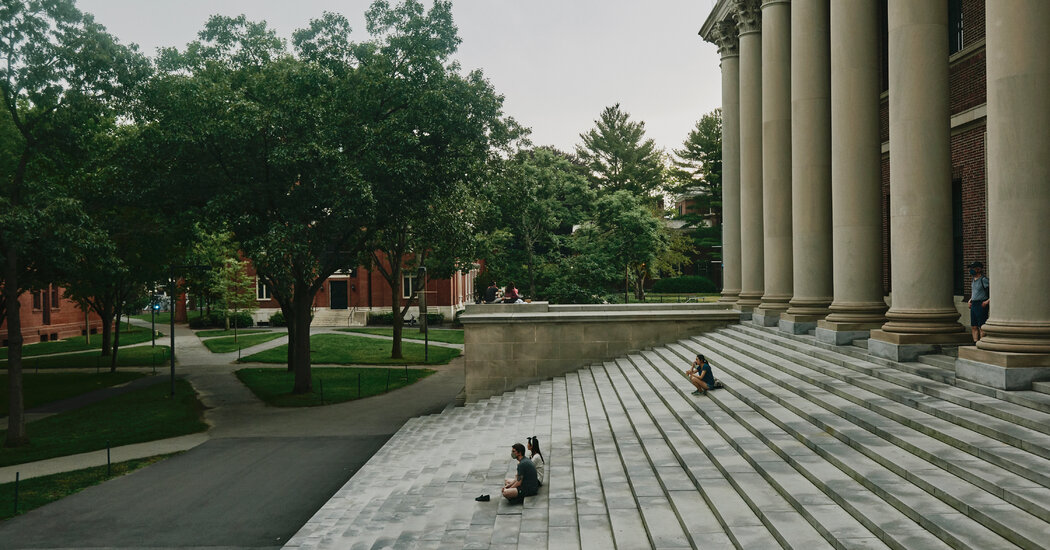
<point x="536" y="455"/>
<point x="700" y="375"/>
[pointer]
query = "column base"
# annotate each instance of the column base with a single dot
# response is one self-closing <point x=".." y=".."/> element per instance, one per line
<point x="798" y="324"/>
<point x="908" y="347"/>
<point x="765" y="317"/>
<point x="843" y="334"/>
<point x="1002" y="370"/>
<point x="730" y="296"/>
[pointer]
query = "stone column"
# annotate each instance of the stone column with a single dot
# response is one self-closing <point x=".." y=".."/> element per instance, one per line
<point x="776" y="160"/>
<point x="856" y="186"/>
<point x="749" y="20"/>
<point x="922" y="315"/>
<point x="810" y="166"/>
<point x="727" y="38"/>
<point x="1016" y="347"/>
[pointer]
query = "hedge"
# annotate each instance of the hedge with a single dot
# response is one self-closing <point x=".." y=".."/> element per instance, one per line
<point x="687" y="283"/>
<point x="217" y="320"/>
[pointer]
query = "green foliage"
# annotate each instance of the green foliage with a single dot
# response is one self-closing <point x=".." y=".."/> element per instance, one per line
<point x="79" y="343"/>
<point x="697" y="168"/>
<point x="138" y="356"/>
<point x="340" y="384"/>
<point x="218" y="320"/>
<point x="619" y="157"/>
<point x="141" y="415"/>
<point x="228" y="344"/>
<point x="236" y="290"/>
<point x="277" y="320"/>
<point x="450" y="336"/>
<point x="687" y="283"/>
<point x="43" y="388"/>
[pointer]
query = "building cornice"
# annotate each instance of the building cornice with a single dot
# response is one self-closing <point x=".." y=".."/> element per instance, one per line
<point x="748" y="16"/>
<point x="722" y="9"/>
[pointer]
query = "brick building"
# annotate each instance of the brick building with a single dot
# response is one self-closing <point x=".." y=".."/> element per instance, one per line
<point x="46" y="316"/>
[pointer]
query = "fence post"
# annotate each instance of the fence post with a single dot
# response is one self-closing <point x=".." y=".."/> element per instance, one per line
<point x="17" y="476"/>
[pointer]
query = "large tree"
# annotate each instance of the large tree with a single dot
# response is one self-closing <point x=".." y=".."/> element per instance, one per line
<point x="60" y="73"/>
<point x="620" y="157"/>
<point x="439" y="135"/>
<point x="279" y="137"/>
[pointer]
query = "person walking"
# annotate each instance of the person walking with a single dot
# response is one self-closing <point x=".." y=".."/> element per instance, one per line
<point x="979" y="299"/>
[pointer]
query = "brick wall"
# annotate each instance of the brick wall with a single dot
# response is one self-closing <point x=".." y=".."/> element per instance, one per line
<point x="63" y="319"/>
<point x="968" y="165"/>
<point x="966" y="80"/>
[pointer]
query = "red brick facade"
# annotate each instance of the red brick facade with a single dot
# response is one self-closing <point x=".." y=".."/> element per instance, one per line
<point x="46" y="316"/>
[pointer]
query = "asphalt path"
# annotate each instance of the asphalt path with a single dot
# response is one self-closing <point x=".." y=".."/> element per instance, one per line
<point x="262" y="474"/>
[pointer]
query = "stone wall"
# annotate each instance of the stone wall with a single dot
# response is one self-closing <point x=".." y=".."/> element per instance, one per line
<point x="510" y="345"/>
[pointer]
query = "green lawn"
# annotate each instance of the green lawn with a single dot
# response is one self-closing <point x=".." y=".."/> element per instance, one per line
<point x="222" y="332"/>
<point x="142" y="356"/>
<point x="42" y="388"/>
<point x="226" y="344"/>
<point x="339" y="384"/>
<point x="142" y="415"/>
<point x="672" y="298"/>
<point x="163" y="318"/>
<point x="356" y="350"/>
<point x="78" y="343"/>
<point x="451" y="336"/>
<point x="38" y="491"/>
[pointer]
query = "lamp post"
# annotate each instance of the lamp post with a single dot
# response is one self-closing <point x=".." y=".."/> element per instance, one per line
<point x="421" y="274"/>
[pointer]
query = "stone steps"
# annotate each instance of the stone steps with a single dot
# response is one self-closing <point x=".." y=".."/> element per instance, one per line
<point x="809" y="447"/>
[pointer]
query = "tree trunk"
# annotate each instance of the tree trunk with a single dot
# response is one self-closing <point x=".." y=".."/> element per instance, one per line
<point x="106" y="312"/>
<point x="16" y="420"/>
<point x="395" y="299"/>
<point x="532" y="273"/>
<point x="300" y="348"/>
<point x="116" y="346"/>
<point x="289" y="321"/>
<point x="639" y="286"/>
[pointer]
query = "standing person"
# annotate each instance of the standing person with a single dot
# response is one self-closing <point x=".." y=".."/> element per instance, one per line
<point x="979" y="298"/>
<point x="526" y="483"/>
<point x="536" y="456"/>
<point x="701" y="375"/>
<point x="490" y="292"/>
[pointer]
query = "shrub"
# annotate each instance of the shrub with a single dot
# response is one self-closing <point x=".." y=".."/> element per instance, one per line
<point x="277" y="320"/>
<point x="687" y="283"/>
<point x="217" y="320"/>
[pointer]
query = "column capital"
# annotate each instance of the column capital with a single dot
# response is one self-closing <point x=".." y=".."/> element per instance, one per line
<point x="749" y="16"/>
<point x="771" y="2"/>
<point x="727" y="37"/>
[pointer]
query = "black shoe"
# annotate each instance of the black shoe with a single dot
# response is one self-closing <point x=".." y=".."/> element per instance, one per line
<point x="483" y="498"/>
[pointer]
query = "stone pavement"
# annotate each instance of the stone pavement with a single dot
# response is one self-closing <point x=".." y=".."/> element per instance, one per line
<point x="251" y="481"/>
<point x="809" y="446"/>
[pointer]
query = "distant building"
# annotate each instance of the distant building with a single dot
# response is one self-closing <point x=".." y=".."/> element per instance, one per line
<point x="46" y="315"/>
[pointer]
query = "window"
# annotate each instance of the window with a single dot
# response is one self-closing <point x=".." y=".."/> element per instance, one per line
<point x="408" y="286"/>
<point x="262" y="292"/>
<point x="955" y="26"/>
<point x="38" y="299"/>
<point x="54" y="297"/>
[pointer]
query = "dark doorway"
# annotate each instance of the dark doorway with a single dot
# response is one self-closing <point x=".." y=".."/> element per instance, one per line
<point x="958" y="262"/>
<point x="46" y="307"/>
<point x="338" y="294"/>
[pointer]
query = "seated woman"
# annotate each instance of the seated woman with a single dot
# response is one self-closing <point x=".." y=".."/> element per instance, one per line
<point x="533" y="445"/>
<point x="511" y="296"/>
<point x="701" y="375"/>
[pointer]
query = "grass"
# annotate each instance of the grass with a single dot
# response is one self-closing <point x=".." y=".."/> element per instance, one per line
<point x="38" y="491"/>
<point x="339" y="384"/>
<point x="451" y="336"/>
<point x="163" y="318"/>
<point x="43" y="388"/>
<point x="79" y="343"/>
<point x="356" y="350"/>
<point x="142" y="356"/>
<point x="226" y="344"/>
<point x="142" y="415"/>
<point x="222" y="332"/>
<point x="673" y="298"/>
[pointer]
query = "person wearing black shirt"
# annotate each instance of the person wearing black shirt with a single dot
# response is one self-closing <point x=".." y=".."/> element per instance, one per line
<point x="490" y="293"/>
<point x="526" y="483"/>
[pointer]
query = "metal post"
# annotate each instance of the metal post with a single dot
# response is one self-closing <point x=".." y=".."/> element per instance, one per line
<point x="422" y="275"/>
<point x="17" y="475"/>
<point x="109" y="465"/>
<point x="171" y="314"/>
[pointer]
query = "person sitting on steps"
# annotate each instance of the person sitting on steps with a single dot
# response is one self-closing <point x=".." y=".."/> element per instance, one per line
<point x="701" y="375"/>
<point x="536" y="456"/>
<point x="525" y="484"/>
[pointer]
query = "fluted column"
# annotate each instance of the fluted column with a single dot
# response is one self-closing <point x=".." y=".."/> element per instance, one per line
<point x="727" y="38"/>
<point x="922" y="314"/>
<point x="856" y="187"/>
<point x="776" y="160"/>
<point x="1016" y="347"/>
<point x="810" y="166"/>
<point x="752" y="284"/>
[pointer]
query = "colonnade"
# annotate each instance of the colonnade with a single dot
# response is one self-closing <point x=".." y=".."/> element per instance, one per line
<point x="802" y="202"/>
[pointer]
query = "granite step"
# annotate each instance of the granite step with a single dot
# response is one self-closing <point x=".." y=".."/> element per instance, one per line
<point x="1041" y="387"/>
<point x="1012" y="413"/>
<point x="860" y="433"/>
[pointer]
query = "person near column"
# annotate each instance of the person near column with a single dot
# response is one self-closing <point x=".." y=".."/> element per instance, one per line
<point x="979" y="299"/>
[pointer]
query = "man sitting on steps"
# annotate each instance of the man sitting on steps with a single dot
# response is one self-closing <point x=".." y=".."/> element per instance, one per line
<point x="525" y="484"/>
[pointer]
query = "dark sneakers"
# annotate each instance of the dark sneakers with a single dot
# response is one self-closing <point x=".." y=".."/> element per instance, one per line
<point x="482" y="498"/>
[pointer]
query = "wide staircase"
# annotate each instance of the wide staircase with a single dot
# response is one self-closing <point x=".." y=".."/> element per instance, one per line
<point x="808" y="446"/>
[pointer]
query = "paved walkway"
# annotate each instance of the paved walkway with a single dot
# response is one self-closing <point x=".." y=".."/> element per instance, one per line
<point x="251" y="480"/>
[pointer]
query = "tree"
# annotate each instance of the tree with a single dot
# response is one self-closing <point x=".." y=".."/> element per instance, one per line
<point x="697" y="168"/>
<point x="277" y="139"/>
<point x="60" y="72"/>
<point x="632" y="234"/>
<point x="619" y="156"/>
<point x="236" y="289"/>
<point x="438" y="134"/>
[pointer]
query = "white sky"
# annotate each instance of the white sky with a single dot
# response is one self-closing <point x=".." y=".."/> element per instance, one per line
<point x="557" y="62"/>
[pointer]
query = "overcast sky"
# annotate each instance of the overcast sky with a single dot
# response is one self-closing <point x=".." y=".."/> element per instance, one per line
<point x="557" y="62"/>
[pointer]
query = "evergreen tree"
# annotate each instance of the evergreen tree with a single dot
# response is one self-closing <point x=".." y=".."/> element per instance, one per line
<point x="619" y="157"/>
